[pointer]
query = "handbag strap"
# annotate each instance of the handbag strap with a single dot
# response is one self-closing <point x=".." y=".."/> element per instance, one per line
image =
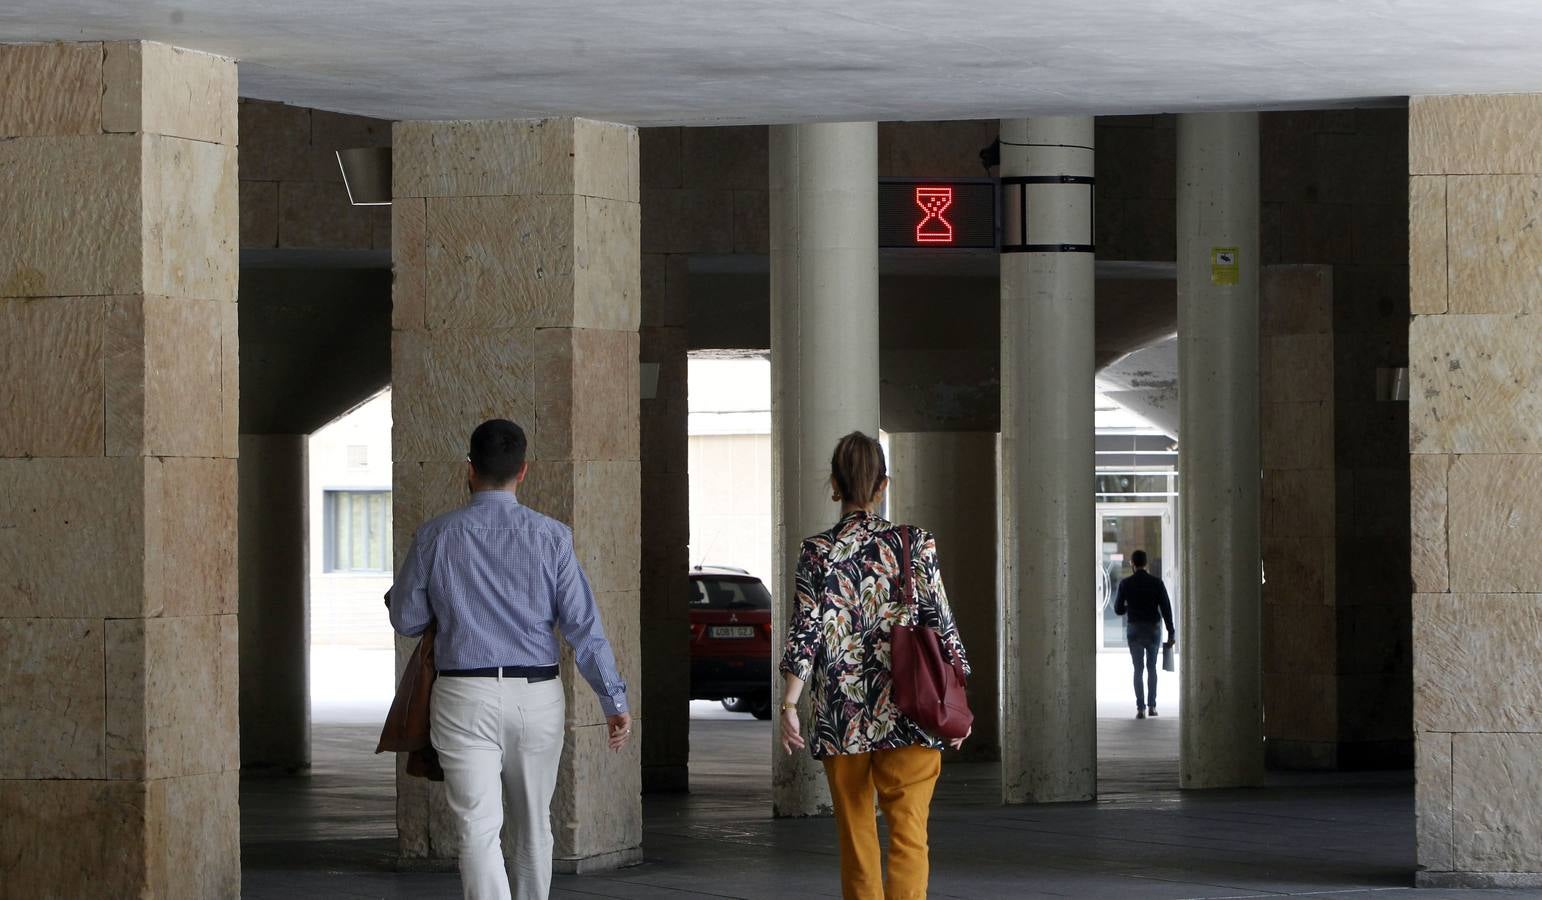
<point x="907" y="535"/>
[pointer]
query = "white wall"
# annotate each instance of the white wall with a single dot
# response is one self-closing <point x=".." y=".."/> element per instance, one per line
<point x="346" y="607"/>
<point x="731" y="502"/>
<point x="730" y="464"/>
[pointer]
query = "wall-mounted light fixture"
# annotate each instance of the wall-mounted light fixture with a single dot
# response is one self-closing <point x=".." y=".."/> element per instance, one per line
<point x="1024" y="232"/>
<point x="366" y="175"/>
<point x="1392" y="384"/>
<point x="648" y="380"/>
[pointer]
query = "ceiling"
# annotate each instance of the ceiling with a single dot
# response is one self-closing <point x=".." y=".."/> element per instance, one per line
<point x="656" y="62"/>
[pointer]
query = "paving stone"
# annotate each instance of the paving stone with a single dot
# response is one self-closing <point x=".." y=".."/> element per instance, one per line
<point x="1466" y="134"/>
<point x="1470" y="648"/>
<point x="159" y="89"/>
<point x="51" y="377"/>
<point x="50" y="89"/>
<point x="52" y="716"/>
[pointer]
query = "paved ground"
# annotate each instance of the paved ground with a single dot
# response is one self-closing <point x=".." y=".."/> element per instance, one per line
<point x="332" y="834"/>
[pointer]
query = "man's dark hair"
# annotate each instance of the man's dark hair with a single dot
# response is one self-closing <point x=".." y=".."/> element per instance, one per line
<point x="1137" y="559"/>
<point x="497" y="451"/>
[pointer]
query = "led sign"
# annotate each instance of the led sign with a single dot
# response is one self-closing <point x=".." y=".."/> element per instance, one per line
<point x="934" y="228"/>
<point x="958" y="214"/>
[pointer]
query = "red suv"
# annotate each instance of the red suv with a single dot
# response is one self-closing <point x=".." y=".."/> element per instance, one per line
<point x="731" y="639"/>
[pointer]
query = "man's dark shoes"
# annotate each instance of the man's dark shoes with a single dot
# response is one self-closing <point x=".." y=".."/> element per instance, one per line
<point x="1140" y="714"/>
<point x="1153" y="712"/>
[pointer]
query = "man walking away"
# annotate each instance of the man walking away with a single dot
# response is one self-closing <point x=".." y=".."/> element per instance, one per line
<point x="500" y="579"/>
<point x="1142" y="600"/>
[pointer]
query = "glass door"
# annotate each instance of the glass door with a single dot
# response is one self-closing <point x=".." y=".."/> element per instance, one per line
<point x="1124" y="528"/>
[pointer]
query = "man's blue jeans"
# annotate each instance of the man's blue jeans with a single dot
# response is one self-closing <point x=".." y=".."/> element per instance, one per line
<point x="1145" y="640"/>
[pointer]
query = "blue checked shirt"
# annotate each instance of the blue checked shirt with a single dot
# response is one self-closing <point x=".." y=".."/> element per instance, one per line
<point x="500" y="578"/>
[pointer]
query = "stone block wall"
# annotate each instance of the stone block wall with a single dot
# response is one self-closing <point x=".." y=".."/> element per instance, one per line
<point x="1137" y="199"/>
<point x="704" y="193"/>
<point x="946" y="483"/>
<point x="292" y="194"/>
<point x="118" y="357"/>
<point x="517" y="295"/>
<point x="1475" y="434"/>
<point x="1333" y="192"/>
<point x="1300" y="622"/>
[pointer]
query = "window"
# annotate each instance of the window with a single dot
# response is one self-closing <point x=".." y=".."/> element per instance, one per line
<point x="358" y="531"/>
<point x="726" y="593"/>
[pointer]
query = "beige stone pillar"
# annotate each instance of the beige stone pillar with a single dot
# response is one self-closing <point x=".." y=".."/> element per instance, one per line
<point x="118" y="745"/>
<point x="515" y="249"/>
<point x="824" y="365"/>
<point x="1475" y="432"/>
<point x="274" y="560"/>
<point x="945" y="482"/>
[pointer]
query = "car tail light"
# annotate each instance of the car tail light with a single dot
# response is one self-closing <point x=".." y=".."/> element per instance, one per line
<point x="766" y="627"/>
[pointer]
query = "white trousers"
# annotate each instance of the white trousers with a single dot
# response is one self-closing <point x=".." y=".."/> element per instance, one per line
<point x="500" y="739"/>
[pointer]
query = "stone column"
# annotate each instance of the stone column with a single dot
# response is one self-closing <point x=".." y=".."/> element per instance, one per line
<point x="666" y="527"/>
<point x="118" y="749"/>
<point x="945" y="482"/>
<point x="666" y="499"/>
<point x="275" y="603"/>
<point x="515" y="249"/>
<point x="1221" y="737"/>
<point x="824" y="363"/>
<point x="1049" y="708"/>
<point x="1475" y="433"/>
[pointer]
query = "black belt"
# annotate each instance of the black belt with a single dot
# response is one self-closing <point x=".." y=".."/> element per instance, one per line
<point x="531" y="673"/>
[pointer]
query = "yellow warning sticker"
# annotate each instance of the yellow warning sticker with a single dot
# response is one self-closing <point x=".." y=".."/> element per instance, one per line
<point x="1223" y="265"/>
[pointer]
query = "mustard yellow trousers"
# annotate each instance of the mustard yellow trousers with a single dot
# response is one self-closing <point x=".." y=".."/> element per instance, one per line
<point x="903" y="780"/>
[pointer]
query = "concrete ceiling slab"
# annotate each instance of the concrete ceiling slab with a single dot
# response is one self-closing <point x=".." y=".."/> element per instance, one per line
<point x="661" y="62"/>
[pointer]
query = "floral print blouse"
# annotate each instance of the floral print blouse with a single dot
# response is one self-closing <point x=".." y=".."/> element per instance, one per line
<point x="850" y="596"/>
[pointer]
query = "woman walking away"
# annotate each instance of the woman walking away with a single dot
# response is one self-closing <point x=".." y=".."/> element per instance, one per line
<point x="851" y="594"/>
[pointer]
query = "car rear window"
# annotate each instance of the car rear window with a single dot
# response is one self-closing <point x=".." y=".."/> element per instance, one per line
<point x="725" y="593"/>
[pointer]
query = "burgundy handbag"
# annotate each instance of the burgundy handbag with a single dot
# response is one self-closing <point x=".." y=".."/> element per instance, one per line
<point x="928" y="685"/>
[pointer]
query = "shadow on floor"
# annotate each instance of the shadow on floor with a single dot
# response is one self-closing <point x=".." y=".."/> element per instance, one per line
<point x="332" y="833"/>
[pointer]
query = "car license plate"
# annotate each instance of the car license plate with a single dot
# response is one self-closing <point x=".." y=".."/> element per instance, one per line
<point x="732" y="631"/>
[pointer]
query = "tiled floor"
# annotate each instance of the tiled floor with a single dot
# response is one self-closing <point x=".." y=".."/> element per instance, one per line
<point x="333" y="834"/>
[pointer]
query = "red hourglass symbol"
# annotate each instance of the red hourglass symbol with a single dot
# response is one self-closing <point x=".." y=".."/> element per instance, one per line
<point x="933" y="228"/>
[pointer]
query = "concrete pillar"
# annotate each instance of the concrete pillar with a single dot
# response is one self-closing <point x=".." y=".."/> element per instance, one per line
<point x="275" y="603"/>
<point x="824" y="362"/>
<point x="1049" y="709"/>
<point x="119" y="753"/>
<point x="1221" y="728"/>
<point x="945" y="482"/>
<point x="1475" y="443"/>
<point x="515" y="250"/>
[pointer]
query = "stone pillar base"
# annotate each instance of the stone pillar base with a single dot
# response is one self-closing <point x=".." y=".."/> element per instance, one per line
<point x="666" y="779"/>
<point x="437" y="865"/>
<point x="1451" y="880"/>
<point x="604" y="862"/>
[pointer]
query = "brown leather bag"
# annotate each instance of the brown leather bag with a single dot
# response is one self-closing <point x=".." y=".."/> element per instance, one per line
<point x="928" y="685"/>
<point x="407" y="724"/>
